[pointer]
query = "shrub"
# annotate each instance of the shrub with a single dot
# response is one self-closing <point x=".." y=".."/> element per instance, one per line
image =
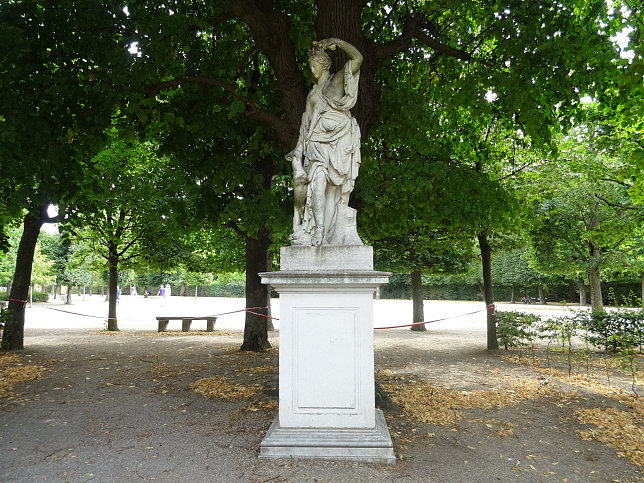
<point x="37" y="296"/>
<point x="618" y="330"/>
<point x="40" y="297"/>
<point x="516" y="329"/>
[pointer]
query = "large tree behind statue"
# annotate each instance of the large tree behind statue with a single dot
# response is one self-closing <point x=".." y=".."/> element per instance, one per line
<point x="533" y="55"/>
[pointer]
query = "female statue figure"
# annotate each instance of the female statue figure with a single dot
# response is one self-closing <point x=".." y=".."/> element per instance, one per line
<point x="326" y="158"/>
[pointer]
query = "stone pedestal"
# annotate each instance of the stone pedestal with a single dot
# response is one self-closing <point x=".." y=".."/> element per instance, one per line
<point x="326" y="378"/>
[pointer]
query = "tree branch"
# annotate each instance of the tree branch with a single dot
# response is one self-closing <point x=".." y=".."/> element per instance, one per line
<point x="154" y="89"/>
<point x="518" y="170"/>
<point x="252" y="111"/>
<point x="128" y="246"/>
<point x="615" y="204"/>
<point x="419" y="27"/>
<point x="616" y="181"/>
<point x="270" y="30"/>
<point x="236" y="229"/>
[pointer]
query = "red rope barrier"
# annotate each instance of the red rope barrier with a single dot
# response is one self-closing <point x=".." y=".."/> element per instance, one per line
<point x="241" y="310"/>
<point x="262" y="315"/>
<point x="428" y="322"/>
<point x="75" y="313"/>
<point x="19" y="301"/>
<point x="216" y="315"/>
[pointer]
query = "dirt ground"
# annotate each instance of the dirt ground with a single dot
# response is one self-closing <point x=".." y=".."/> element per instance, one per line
<point x="125" y="407"/>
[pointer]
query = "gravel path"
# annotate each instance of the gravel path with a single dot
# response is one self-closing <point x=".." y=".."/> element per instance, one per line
<point x="120" y="407"/>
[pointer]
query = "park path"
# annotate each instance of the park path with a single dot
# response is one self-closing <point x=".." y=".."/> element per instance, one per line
<point x="121" y="407"/>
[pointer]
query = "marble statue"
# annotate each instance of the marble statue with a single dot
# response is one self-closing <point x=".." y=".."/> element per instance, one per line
<point x="326" y="158"/>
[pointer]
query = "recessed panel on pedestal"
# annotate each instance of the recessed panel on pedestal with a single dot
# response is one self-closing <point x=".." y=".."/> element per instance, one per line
<point x="325" y="383"/>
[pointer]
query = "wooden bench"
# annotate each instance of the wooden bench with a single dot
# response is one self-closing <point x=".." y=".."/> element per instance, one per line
<point x="185" y="323"/>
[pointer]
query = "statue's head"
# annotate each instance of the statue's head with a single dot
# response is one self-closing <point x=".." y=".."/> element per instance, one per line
<point x="316" y="54"/>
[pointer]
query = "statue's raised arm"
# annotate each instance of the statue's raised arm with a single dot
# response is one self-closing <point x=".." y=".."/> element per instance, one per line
<point x="326" y="158"/>
<point x="353" y="53"/>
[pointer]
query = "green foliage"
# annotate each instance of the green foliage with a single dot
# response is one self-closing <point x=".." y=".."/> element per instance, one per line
<point x="623" y="300"/>
<point x="616" y="331"/>
<point x="40" y="297"/>
<point x="512" y="267"/>
<point x="36" y="296"/>
<point x="516" y="329"/>
<point x="8" y="259"/>
<point x="228" y="286"/>
<point x="43" y="267"/>
<point x="58" y="94"/>
<point x="124" y="208"/>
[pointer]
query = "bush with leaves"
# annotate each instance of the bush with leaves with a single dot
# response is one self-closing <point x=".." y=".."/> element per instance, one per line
<point x="617" y="330"/>
<point x="516" y="329"/>
<point x="36" y="297"/>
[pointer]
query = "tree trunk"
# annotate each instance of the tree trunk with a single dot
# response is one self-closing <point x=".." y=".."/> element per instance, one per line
<point x="642" y="289"/>
<point x="594" y="280"/>
<point x="513" y="294"/>
<point x="488" y="292"/>
<point x="542" y="295"/>
<point x="596" y="302"/>
<point x="14" y="331"/>
<point x="582" y="292"/>
<point x="112" y="322"/>
<point x="571" y="292"/>
<point x="68" y="300"/>
<point x="182" y="290"/>
<point x="257" y="294"/>
<point x="417" y="297"/>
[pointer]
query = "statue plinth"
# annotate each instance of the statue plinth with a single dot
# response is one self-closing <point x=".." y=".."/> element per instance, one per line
<point x="326" y="374"/>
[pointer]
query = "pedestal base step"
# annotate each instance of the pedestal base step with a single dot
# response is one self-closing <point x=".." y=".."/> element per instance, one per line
<point x="367" y="445"/>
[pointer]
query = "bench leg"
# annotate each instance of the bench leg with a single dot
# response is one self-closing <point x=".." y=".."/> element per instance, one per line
<point x="210" y="324"/>
<point x="185" y="325"/>
<point x="163" y="325"/>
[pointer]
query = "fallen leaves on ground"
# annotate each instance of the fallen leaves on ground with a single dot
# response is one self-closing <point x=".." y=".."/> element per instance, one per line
<point x="163" y="370"/>
<point x="589" y="380"/>
<point x="269" y="405"/>
<point x="7" y="358"/>
<point x="166" y="333"/>
<point x="182" y="333"/>
<point x="502" y="429"/>
<point x="431" y="403"/>
<point x="219" y="388"/>
<point x="253" y="370"/>
<point x="110" y="332"/>
<point x="13" y="372"/>
<point x="621" y="430"/>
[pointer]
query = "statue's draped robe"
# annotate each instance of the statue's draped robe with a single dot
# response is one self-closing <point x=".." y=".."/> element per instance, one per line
<point x="330" y="142"/>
